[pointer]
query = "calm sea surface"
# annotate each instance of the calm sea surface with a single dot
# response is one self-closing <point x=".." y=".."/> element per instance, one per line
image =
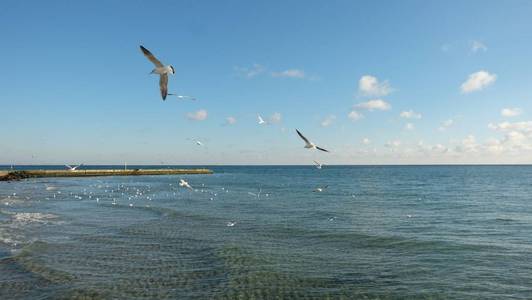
<point x="387" y="232"/>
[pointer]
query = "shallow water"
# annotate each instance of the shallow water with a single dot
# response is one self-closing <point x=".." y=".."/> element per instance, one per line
<point x="461" y="232"/>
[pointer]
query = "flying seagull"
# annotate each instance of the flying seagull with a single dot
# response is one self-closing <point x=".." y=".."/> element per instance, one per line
<point x="196" y="141"/>
<point x="261" y="120"/>
<point x="183" y="183"/>
<point x="182" y="97"/>
<point x="318" y="164"/>
<point x="73" y="168"/>
<point x="160" y="69"/>
<point x="309" y="144"/>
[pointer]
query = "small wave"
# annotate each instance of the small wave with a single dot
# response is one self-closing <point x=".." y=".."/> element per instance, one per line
<point x="7" y="237"/>
<point x="167" y="212"/>
<point x="505" y="219"/>
<point x="40" y="218"/>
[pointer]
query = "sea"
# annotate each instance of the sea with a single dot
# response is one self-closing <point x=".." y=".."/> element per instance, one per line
<point x="267" y="232"/>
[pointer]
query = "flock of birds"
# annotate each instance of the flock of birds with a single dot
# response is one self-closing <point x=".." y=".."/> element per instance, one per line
<point x="164" y="70"/>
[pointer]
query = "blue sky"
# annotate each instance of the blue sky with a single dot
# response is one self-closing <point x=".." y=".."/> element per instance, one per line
<point x="74" y="86"/>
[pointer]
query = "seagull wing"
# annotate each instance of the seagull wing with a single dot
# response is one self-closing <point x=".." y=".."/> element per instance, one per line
<point x="150" y="56"/>
<point x="163" y="84"/>
<point x="317" y="163"/>
<point x="260" y="119"/>
<point x="322" y="149"/>
<point x="303" y="137"/>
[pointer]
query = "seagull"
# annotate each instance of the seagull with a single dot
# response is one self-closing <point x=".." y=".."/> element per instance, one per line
<point x="73" y="168"/>
<point x="261" y="120"/>
<point x="256" y="195"/>
<point x="196" y="141"/>
<point x="318" y="165"/>
<point x="309" y="144"/>
<point x="231" y="224"/>
<point x="183" y="183"/>
<point x="320" y="189"/>
<point x="160" y="69"/>
<point x="182" y="96"/>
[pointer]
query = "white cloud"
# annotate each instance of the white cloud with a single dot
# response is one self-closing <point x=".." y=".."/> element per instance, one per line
<point x="409" y="126"/>
<point x="230" y="120"/>
<point x="494" y="146"/>
<point x="517" y="137"/>
<point x="439" y="149"/>
<point x="199" y="115"/>
<point x="478" y="81"/>
<point x="525" y="127"/>
<point x="511" y="112"/>
<point x="355" y="115"/>
<point x="328" y="120"/>
<point x="410" y="114"/>
<point x="290" y="73"/>
<point x="250" y="72"/>
<point x="446" y="124"/>
<point x="477" y="46"/>
<point x="376" y="104"/>
<point x="366" y="141"/>
<point x="393" y="144"/>
<point x="276" y="118"/>
<point x="468" y="144"/>
<point x="370" y="86"/>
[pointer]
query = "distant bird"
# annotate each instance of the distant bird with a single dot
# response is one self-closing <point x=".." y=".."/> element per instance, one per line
<point x="320" y="189"/>
<point x="318" y="165"/>
<point x="160" y="69"/>
<point x="261" y="120"/>
<point x="196" y="141"/>
<point x="231" y="224"/>
<point x="183" y="183"/>
<point x="73" y="168"/>
<point x="256" y="195"/>
<point x="182" y="96"/>
<point x="309" y="144"/>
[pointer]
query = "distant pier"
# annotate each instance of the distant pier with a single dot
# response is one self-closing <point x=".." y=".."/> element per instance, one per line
<point x="17" y="175"/>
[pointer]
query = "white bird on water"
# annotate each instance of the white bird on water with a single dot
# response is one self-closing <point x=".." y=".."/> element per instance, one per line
<point x="318" y="165"/>
<point x="320" y="189"/>
<point x="183" y="183"/>
<point x="261" y="120"/>
<point x="160" y="69"/>
<point x="70" y="168"/>
<point x="309" y="144"/>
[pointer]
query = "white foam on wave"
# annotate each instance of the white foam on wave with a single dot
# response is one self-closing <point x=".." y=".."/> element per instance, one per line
<point x="41" y="218"/>
<point x="9" y="238"/>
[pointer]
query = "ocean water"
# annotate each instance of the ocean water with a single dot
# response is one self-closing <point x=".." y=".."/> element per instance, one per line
<point x="376" y="232"/>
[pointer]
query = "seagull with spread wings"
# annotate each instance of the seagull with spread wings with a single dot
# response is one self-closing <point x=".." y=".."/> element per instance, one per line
<point x="318" y="165"/>
<point x="160" y="69"/>
<point x="185" y="184"/>
<point x="309" y="144"/>
<point x="70" y="168"/>
<point x="260" y="120"/>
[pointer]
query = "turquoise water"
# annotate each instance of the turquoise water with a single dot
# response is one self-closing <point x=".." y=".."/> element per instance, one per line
<point x="387" y="232"/>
